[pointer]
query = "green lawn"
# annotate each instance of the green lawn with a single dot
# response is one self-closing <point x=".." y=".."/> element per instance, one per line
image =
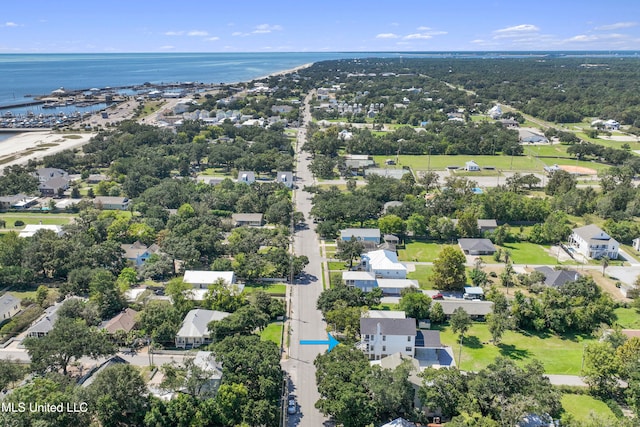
<point x="35" y="218"/>
<point x="628" y="318"/>
<point x="271" y="288"/>
<point x="632" y="252"/>
<point x="529" y="253"/>
<point x="581" y="406"/>
<point x="557" y="150"/>
<point x="423" y="276"/>
<point x="273" y="332"/>
<point x="337" y="265"/>
<point x="420" y="251"/>
<point x="558" y="355"/>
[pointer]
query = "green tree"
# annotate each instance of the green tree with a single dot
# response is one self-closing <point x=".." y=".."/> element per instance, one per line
<point x="507" y="276"/>
<point x="448" y="269"/>
<point x="118" y="396"/>
<point x="601" y="368"/>
<point x="443" y="388"/>
<point x="498" y="323"/>
<point x="69" y="340"/>
<point x="160" y="321"/>
<point x="179" y="292"/>
<point x="436" y="315"/>
<point x="230" y="403"/>
<point x="10" y="371"/>
<point x="468" y="223"/>
<point x="460" y="323"/>
<point x="415" y="304"/>
<point x="417" y="224"/>
<point x="104" y="293"/>
<point x="348" y="250"/>
<point x="392" y="224"/>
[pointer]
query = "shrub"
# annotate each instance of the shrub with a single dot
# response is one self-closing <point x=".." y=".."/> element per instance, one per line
<point x="18" y="223"/>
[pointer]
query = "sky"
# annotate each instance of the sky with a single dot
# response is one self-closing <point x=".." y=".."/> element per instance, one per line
<point x="72" y="26"/>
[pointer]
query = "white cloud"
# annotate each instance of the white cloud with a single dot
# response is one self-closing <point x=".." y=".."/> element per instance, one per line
<point x="478" y="41"/>
<point x="418" y="36"/>
<point x="617" y="26"/>
<point x="167" y="47"/>
<point x="10" y="24"/>
<point x="395" y="24"/>
<point x="387" y="36"/>
<point x="237" y="33"/>
<point x="197" y="33"/>
<point x="515" y="31"/>
<point x="213" y="39"/>
<point x="266" y="28"/>
<point x="174" y="33"/>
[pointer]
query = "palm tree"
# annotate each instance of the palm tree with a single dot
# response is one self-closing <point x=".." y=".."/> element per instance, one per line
<point x="605" y="263"/>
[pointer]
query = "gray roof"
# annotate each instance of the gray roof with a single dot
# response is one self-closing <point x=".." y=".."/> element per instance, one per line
<point x="484" y="245"/>
<point x="90" y="377"/>
<point x="486" y="223"/>
<point x="431" y="338"/>
<point x="54" y="183"/>
<point x="360" y="233"/>
<point x="7" y="302"/>
<point x="134" y="250"/>
<point x="369" y="326"/>
<point x="557" y="278"/>
<point x="593" y="234"/>
<point x="45" y="174"/>
<point x="473" y="308"/>
<point x="247" y="217"/>
<point x="399" y="422"/>
<point x="196" y="321"/>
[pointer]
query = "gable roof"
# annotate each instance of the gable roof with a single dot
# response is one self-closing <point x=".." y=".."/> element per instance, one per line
<point x="487" y="223"/>
<point x="196" y="277"/>
<point x="90" y="377"/>
<point x="206" y="361"/>
<point x="484" y="245"/>
<point x="593" y="234"/>
<point x="553" y="277"/>
<point x="7" y="302"/>
<point x="369" y="326"/>
<point x="473" y="308"/>
<point x="358" y="275"/>
<point x="360" y="233"/>
<point x="399" y="422"/>
<point x="137" y="249"/>
<point x="384" y="260"/>
<point x="124" y="321"/>
<point x="385" y="314"/>
<point x="428" y="338"/>
<point x="196" y="321"/>
<point x="30" y="229"/>
<point x="247" y="217"/>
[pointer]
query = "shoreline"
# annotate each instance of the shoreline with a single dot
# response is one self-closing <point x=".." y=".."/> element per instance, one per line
<point x="25" y="146"/>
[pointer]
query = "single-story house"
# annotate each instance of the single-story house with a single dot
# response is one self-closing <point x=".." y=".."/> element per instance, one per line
<point x="385" y="314"/>
<point x="364" y="234"/>
<point x="509" y="123"/>
<point x="90" y="376"/>
<point x="247" y="177"/>
<point x="285" y="178"/>
<point x="471" y="166"/>
<point x="592" y="242"/>
<point x="393" y="287"/>
<point x="194" y="331"/>
<point x="45" y="174"/>
<point x="9" y="307"/>
<point x="556" y="278"/>
<point x="203" y="279"/>
<point x="209" y="366"/>
<point x="44" y="324"/>
<point x="111" y="203"/>
<point x="487" y="225"/>
<point x="363" y="280"/>
<point x="475" y="309"/>
<point x="125" y="321"/>
<point x="473" y="293"/>
<point x="476" y="246"/>
<point x="247" y="219"/>
<point x="30" y="229"/>
<point x="138" y="252"/>
<point x="17" y="201"/>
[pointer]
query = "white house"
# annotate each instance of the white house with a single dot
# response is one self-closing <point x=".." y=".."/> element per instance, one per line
<point x="363" y="280"/>
<point x="636" y="244"/>
<point x="246" y="177"/>
<point x="363" y="234"/>
<point x="30" y="229"/>
<point x="594" y="243"/>
<point x="495" y="112"/>
<point x="383" y="264"/>
<point x="203" y="279"/>
<point x="612" y="125"/>
<point x="111" y="203"/>
<point x="382" y="337"/>
<point x="194" y="331"/>
<point x="9" y="307"/>
<point x="471" y="166"/>
<point x="285" y="178"/>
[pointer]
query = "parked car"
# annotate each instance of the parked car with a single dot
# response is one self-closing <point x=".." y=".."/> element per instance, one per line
<point x="438" y="296"/>
<point x="292" y="409"/>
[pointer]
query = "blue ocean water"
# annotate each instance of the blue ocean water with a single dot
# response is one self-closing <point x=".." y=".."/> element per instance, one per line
<point x="39" y="74"/>
<point x="25" y="75"/>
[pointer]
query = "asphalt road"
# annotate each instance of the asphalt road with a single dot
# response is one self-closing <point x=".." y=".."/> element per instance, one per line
<point x="305" y="321"/>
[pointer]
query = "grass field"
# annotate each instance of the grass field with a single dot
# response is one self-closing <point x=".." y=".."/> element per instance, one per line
<point x="581" y="406"/>
<point x="505" y="163"/>
<point x="529" y="253"/>
<point x="337" y="265"/>
<point x="558" y="355"/>
<point x="35" y="218"/>
<point x="557" y="150"/>
<point x="272" y="288"/>
<point x="423" y="276"/>
<point x="273" y="332"/>
<point x="420" y="251"/>
<point x="628" y="318"/>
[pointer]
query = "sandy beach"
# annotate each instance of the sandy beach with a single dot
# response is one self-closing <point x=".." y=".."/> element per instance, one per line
<point x="26" y="146"/>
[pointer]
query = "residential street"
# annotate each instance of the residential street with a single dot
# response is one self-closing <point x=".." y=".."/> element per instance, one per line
<point x="305" y="321"/>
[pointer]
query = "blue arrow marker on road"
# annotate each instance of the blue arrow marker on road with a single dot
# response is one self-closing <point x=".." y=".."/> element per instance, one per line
<point x="331" y="342"/>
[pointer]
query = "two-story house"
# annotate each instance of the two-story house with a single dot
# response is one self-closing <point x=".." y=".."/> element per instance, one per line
<point x="592" y="242"/>
<point x="383" y="264"/>
<point x="382" y="337"/>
